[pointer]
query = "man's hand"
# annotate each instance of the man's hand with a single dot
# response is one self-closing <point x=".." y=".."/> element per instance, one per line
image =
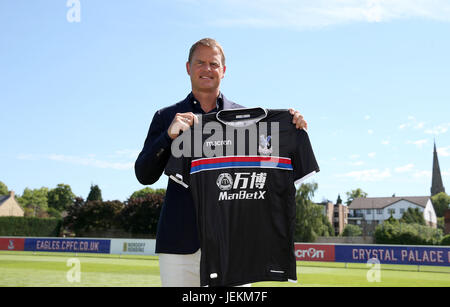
<point x="181" y="122"/>
<point x="298" y="119"/>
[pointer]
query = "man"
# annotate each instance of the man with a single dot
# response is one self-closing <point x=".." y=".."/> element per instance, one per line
<point x="177" y="242"/>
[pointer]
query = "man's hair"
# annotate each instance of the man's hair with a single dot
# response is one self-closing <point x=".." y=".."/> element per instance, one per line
<point x="208" y="42"/>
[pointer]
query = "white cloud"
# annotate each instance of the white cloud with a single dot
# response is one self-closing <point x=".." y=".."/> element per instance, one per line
<point x="356" y="163"/>
<point x="418" y="143"/>
<point x="367" y="117"/>
<point x="29" y="157"/>
<point x="121" y="160"/>
<point x="419" y="126"/>
<point x="422" y="175"/>
<point x="439" y="129"/>
<point x="367" y="175"/>
<point x="370" y="131"/>
<point x="372" y="154"/>
<point x="91" y="161"/>
<point x="443" y="151"/>
<point x="404" y="169"/>
<point x="412" y="123"/>
<point x="321" y="13"/>
<point x="127" y="153"/>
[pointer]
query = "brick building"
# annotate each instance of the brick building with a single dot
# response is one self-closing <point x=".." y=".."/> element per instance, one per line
<point x="9" y="206"/>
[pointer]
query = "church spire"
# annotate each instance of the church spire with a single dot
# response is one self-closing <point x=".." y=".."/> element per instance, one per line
<point x="436" y="181"/>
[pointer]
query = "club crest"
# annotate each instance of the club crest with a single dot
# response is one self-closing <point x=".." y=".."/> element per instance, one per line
<point x="265" y="145"/>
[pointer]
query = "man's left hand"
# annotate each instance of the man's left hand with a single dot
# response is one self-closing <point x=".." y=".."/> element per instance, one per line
<point x="298" y="119"/>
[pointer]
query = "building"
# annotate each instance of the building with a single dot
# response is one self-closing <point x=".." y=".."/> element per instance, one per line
<point x="9" y="206"/>
<point x="371" y="211"/>
<point x="337" y="215"/>
<point x="437" y="185"/>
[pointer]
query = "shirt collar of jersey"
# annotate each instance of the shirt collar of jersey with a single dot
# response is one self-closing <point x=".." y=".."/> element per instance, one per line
<point x="243" y="117"/>
<point x="198" y="109"/>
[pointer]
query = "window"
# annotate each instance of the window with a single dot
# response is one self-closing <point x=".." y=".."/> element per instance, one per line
<point x="379" y="211"/>
<point x="391" y="211"/>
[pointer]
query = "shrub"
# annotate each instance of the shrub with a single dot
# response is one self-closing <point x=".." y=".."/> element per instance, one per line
<point x="351" y="231"/>
<point x="446" y="240"/>
<point x="29" y="226"/>
<point x="411" y="234"/>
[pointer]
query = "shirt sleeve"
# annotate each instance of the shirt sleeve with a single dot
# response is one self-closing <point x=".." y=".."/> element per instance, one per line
<point x="303" y="160"/>
<point x="178" y="170"/>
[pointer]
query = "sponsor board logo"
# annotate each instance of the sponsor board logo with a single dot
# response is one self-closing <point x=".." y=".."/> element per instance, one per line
<point x="133" y="247"/>
<point x="308" y="252"/>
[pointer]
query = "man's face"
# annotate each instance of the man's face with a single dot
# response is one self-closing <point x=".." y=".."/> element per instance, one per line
<point x="206" y="69"/>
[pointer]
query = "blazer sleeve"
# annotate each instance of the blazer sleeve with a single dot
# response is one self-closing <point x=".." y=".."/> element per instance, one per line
<point x="153" y="158"/>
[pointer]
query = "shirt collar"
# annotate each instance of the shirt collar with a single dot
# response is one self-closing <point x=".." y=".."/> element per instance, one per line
<point x="198" y="109"/>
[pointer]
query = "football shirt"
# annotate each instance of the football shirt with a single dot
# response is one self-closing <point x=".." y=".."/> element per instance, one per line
<point x="241" y="166"/>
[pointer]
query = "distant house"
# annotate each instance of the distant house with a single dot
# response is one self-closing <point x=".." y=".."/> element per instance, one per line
<point x="9" y="206"/>
<point x="337" y="215"/>
<point x="371" y="211"/>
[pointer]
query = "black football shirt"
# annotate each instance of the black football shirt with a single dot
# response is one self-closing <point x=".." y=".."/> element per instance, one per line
<point x="241" y="166"/>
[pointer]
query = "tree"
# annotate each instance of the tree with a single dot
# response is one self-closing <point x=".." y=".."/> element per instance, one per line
<point x="310" y="220"/>
<point x="94" y="216"/>
<point x="73" y="213"/>
<point x="94" y="194"/>
<point x="441" y="202"/>
<point x="339" y="200"/>
<point x="34" y="202"/>
<point x="351" y="231"/>
<point x="141" y="214"/>
<point x="60" y="198"/>
<point x="3" y="189"/>
<point x="354" y="194"/>
<point x="146" y="191"/>
<point x="413" y="216"/>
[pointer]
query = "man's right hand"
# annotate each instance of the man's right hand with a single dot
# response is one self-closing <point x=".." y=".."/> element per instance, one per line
<point x="181" y="122"/>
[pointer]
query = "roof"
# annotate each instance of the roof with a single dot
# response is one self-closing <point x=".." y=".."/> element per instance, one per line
<point x="3" y="198"/>
<point x="382" y="202"/>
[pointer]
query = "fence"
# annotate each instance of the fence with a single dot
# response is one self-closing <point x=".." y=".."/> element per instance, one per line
<point x="344" y="253"/>
<point x="385" y="254"/>
<point x="79" y="245"/>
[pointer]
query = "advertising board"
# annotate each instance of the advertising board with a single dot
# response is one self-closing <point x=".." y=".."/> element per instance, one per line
<point x="133" y="247"/>
<point x="394" y="254"/>
<point x="314" y="252"/>
<point x="67" y="245"/>
<point x="12" y="244"/>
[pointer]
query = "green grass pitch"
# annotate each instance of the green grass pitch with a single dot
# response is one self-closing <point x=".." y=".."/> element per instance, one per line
<point x="27" y="269"/>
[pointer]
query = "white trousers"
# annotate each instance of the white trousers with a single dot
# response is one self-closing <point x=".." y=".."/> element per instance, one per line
<point x="181" y="270"/>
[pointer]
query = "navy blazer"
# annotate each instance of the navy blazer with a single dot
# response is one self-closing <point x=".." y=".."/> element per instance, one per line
<point x="177" y="226"/>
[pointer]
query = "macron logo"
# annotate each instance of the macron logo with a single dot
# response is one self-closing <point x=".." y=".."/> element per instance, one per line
<point x="218" y="143"/>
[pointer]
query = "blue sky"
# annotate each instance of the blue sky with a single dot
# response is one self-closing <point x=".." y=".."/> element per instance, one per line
<point x="371" y="78"/>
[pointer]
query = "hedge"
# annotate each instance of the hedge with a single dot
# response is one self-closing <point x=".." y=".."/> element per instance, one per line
<point x="408" y="234"/>
<point x="29" y="226"/>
